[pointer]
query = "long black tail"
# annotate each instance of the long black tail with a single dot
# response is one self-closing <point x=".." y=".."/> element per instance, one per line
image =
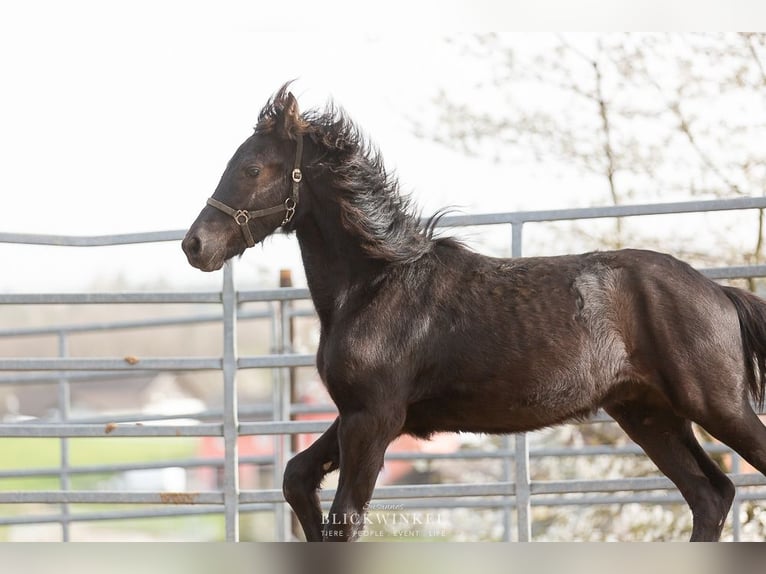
<point x="752" y="323"/>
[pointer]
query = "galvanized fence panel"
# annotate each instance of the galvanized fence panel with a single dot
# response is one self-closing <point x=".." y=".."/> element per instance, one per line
<point x="514" y="494"/>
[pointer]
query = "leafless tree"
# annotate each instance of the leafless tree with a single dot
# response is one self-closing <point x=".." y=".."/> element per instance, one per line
<point x="649" y="117"/>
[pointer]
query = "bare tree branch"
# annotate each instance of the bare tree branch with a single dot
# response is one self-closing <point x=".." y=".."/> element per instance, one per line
<point x="608" y="148"/>
<point x="704" y="157"/>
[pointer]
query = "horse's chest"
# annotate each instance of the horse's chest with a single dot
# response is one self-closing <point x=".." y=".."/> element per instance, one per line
<point x="357" y="366"/>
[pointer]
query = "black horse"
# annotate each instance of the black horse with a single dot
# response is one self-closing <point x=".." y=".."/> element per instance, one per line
<point x="420" y="335"/>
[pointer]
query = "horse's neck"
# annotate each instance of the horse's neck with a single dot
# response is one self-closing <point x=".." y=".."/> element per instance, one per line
<point x="333" y="261"/>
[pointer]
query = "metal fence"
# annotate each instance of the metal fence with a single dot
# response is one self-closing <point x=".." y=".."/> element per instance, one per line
<point x="512" y="495"/>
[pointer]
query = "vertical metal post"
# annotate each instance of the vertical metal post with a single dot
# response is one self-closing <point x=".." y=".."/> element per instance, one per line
<point x="521" y="458"/>
<point x="276" y="348"/>
<point x="64" y="404"/>
<point x="516" y="229"/>
<point x="282" y="402"/>
<point x="505" y="444"/>
<point x="736" y="527"/>
<point x="281" y="412"/>
<point x="523" y="515"/>
<point x="230" y="414"/>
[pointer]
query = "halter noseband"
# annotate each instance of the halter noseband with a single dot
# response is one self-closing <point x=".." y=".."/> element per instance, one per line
<point x="243" y="217"/>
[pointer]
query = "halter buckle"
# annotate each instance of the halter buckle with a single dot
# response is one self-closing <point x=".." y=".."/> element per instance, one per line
<point x="241" y="217"/>
<point x="297" y="175"/>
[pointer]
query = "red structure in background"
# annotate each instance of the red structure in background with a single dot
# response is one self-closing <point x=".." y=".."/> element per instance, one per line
<point x="263" y="445"/>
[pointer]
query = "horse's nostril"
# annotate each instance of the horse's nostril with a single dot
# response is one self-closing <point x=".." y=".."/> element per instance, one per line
<point x="191" y="245"/>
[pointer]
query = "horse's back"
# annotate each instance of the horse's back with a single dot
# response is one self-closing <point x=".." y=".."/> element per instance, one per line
<point x="553" y="338"/>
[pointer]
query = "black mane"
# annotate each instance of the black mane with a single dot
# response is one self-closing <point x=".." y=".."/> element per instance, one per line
<point x="372" y="205"/>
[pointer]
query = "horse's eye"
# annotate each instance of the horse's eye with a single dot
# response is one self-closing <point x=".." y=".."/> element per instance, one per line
<point x="252" y="170"/>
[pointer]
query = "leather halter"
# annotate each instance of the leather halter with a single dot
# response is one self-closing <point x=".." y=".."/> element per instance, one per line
<point x="243" y="216"/>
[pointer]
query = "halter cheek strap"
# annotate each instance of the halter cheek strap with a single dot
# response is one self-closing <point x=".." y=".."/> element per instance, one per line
<point x="242" y="216"/>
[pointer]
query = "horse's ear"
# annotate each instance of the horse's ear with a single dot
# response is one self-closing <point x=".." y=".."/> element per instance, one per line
<point x="289" y="123"/>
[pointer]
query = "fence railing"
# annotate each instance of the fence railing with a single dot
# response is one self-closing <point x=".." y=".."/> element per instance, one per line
<point x="513" y="494"/>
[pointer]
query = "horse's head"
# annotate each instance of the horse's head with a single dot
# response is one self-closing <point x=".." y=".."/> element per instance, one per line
<point x="258" y="191"/>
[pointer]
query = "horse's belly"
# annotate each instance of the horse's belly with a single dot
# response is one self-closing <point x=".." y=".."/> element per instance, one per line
<point x="485" y="415"/>
<point x="509" y="405"/>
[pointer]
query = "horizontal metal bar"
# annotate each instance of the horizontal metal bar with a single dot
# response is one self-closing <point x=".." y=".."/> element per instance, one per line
<point x="447" y="221"/>
<point x="107" y="298"/>
<point x="146" y="512"/>
<point x="404" y="504"/>
<point x="269" y="459"/>
<point x="126" y="467"/>
<point x="301" y="312"/>
<point x="559" y="452"/>
<point x="732" y="272"/>
<point x="434" y="502"/>
<point x="92" y="240"/>
<point x="260" y="410"/>
<point x="735" y="272"/>
<point x="498" y="502"/>
<point x="508" y="488"/>
<point x="273" y="496"/>
<point x="420" y="491"/>
<point x="125" y="325"/>
<point x="283" y="427"/>
<point x="281" y="294"/>
<point x="137" y="429"/>
<point x="108" y="430"/>
<point x="408" y="491"/>
<point x="127" y="363"/>
<point x="328" y="409"/>
<point x="79" y="377"/>
<point x="109" y="497"/>
<point x="83" y="377"/>
<point x="664" y="498"/>
<point x="618" y="484"/>
<point x="152" y="364"/>
<point x="609" y="450"/>
<point x="257" y="410"/>
<point x="276" y="361"/>
<point x="603" y="212"/>
<point x="260" y="296"/>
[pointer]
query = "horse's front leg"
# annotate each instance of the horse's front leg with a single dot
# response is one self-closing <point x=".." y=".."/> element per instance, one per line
<point x="303" y="476"/>
<point x="363" y="436"/>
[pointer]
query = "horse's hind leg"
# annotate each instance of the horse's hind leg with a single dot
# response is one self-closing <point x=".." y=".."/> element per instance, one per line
<point x="303" y="476"/>
<point x="669" y="441"/>
<point x="737" y="425"/>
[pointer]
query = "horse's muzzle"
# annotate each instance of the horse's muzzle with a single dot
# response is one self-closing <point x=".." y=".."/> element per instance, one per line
<point x="202" y="250"/>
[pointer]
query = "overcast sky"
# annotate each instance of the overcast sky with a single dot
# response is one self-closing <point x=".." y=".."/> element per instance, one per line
<point x="121" y="119"/>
